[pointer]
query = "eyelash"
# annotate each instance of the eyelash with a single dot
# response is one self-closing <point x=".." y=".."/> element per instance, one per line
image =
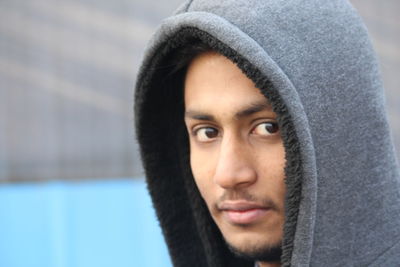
<point x="273" y="124"/>
<point x="196" y="131"/>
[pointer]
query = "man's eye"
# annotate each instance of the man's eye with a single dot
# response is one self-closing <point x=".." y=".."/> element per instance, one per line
<point x="266" y="128"/>
<point x="206" y="134"/>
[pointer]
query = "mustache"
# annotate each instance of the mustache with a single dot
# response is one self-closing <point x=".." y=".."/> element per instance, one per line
<point x="244" y="195"/>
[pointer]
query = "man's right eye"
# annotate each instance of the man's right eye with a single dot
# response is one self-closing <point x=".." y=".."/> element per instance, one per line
<point x="206" y="134"/>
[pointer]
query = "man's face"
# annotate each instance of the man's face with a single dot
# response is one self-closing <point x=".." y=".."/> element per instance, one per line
<point x="236" y="153"/>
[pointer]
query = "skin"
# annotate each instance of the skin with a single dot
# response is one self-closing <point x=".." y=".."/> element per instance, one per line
<point x="236" y="153"/>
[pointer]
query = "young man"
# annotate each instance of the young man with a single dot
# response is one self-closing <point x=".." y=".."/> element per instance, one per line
<point x="236" y="156"/>
<point x="264" y="137"/>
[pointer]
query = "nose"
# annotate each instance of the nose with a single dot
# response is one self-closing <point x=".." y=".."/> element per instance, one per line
<point x="235" y="165"/>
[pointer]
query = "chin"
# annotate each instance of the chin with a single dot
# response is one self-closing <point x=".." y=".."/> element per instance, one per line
<point x="255" y="246"/>
<point x="258" y="252"/>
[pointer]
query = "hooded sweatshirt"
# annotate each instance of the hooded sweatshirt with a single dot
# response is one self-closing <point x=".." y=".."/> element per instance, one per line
<point x="314" y="62"/>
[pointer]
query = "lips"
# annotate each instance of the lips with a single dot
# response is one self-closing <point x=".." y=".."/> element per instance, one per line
<point x="240" y="212"/>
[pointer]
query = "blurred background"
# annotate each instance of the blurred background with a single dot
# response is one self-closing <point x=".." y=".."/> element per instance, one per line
<point x="71" y="184"/>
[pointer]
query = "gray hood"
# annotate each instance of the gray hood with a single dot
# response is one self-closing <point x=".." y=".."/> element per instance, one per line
<point x="314" y="61"/>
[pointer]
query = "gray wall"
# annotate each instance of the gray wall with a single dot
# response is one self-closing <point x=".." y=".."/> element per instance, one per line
<point x="67" y="70"/>
<point x="383" y="23"/>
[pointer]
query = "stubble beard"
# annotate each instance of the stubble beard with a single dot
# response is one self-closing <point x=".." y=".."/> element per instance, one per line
<point x="263" y="253"/>
<point x="267" y="253"/>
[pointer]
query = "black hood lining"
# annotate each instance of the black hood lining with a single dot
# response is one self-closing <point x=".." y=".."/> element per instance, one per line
<point x="191" y="235"/>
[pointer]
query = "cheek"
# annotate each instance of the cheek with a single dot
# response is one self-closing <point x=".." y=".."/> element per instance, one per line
<point x="202" y="170"/>
<point x="273" y="163"/>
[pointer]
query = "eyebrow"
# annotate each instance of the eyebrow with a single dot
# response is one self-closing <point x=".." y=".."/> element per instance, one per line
<point x="253" y="108"/>
<point x="245" y="112"/>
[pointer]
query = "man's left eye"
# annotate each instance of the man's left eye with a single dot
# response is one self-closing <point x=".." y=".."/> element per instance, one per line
<point x="266" y="128"/>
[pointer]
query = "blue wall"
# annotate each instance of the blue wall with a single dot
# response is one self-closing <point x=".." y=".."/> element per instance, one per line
<point x="82" y="224"/>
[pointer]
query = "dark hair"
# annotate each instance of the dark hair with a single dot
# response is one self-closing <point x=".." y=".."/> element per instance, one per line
<point x="182" y="56"/>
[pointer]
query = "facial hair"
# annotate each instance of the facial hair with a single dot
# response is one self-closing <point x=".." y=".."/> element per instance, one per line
<point x="268" y="253"/>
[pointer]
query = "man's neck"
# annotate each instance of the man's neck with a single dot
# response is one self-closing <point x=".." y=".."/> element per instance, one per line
<point x="268" y="264"/>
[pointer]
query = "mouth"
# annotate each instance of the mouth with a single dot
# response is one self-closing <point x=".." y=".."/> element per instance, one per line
<point x="243" y="212"/>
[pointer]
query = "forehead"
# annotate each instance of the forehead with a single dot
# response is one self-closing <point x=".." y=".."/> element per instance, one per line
<point x="215" y="84"/>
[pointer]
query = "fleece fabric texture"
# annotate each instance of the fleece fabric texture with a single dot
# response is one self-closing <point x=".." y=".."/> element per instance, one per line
<point x="313" y="60"/>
